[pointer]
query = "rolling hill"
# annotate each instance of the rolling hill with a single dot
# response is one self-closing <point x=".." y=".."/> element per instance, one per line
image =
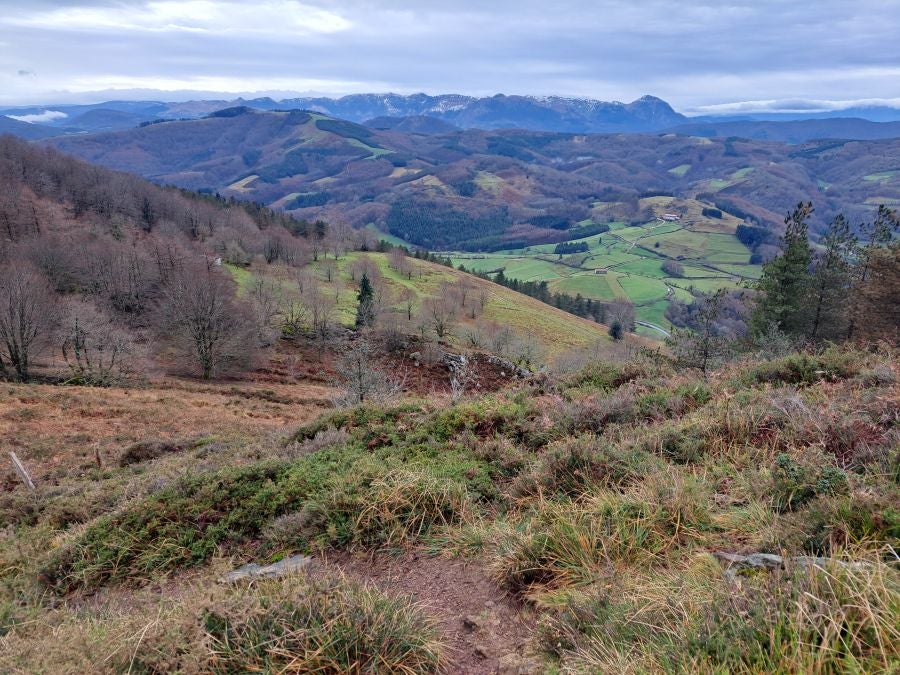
<point x="490" y="190"/>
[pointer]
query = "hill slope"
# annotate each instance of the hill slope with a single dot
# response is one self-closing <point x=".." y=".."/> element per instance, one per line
<point x="486" y="189"/>
<point x="622" y="516"/>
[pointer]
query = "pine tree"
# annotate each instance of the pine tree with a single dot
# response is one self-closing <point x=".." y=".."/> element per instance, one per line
<point x="831" y="282"/>
<point x="785" y="283"/>
<point x="876" y="300"/>
<point x="365" y="311"/>
<point x="877" y="234"/>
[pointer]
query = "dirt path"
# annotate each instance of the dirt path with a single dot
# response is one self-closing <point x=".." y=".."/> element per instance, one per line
<point x="487" y="631"/>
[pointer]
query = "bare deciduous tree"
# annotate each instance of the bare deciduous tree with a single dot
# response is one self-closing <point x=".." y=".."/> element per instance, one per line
<point x="210" y="328"/>
<point x="400" y="263"/>
<point x="441" y="313"/>
<point x="96" y="351"/>
<point x="265" y="299"/>
<point x="360" y="380"/>
<point x="27" y="315"/>
<point x="320" y="308"/>
<point x="408" y="302"/>
<point x="329" y="270"/>
<point x="463" y="377"/>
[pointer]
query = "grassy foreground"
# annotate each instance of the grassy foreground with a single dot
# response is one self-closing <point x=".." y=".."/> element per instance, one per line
<point x="604" y="498"/>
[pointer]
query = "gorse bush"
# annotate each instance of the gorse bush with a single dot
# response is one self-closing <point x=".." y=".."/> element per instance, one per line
<point x="804" y="369"/>
<point x="176" y="527"/>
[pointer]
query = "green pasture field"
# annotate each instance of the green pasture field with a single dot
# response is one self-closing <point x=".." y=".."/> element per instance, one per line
<point x="706" y="248"/>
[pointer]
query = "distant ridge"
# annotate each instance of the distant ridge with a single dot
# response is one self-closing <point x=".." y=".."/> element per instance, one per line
<point x="426" y="114"/>
<point x="796" y="131"/>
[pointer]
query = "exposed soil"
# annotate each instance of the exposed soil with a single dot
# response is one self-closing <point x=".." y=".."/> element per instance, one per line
<point x="417" y="366"/>
<point x="488" y="632"/>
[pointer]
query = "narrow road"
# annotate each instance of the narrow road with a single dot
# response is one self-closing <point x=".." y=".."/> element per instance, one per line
<point x="653" y="326"/>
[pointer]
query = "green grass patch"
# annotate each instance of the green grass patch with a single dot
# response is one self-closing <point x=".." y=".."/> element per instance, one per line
<point x="642" y="289"/>
<point x="881" y="176"/>
<point x="243" y="277"/>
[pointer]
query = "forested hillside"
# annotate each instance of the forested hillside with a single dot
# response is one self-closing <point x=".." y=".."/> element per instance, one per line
<point x="108" y="278"/>
<point x="489" y="190"/>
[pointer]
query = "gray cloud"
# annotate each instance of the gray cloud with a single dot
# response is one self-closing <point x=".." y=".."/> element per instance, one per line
<point x="694" y="54"/>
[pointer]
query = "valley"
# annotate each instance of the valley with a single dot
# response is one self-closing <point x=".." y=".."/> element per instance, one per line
<point x="627" y="262"/>
<point x="395" y="338"/>
<point x="492" y="190"/>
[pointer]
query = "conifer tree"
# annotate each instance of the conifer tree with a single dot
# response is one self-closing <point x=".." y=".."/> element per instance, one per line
<point x="877" y="235"/>
<point x="365" y="311"/>
<point x="785" y="283"/>
<point x="876" y="300"/>
<point x="831" y="282"/>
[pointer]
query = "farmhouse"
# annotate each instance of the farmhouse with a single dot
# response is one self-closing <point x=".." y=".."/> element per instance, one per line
<point x="671" y="217"/>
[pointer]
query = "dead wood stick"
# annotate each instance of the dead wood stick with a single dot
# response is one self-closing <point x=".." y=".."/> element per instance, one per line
<point x="22" y="471"/>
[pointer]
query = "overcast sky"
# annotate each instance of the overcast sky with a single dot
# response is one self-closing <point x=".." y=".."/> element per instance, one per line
<point x="774" y="53"/>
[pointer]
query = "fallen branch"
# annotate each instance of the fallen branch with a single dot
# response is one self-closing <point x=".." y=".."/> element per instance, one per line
<point x="22" y="471"/>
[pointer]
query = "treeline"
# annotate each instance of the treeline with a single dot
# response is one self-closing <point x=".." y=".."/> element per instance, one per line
<point x="757" y="239"/>
<point x="567" y="248"/>
<point x="619" y="312"/>
<point x="846" y="289"/>
<point x="437" y="225"/>
<point x="102" y="272"/>
<point x="843" y="290"/>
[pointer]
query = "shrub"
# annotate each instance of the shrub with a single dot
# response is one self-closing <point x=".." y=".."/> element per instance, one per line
<point x="830" y="523"/>
<point x="144" y="451"/>
<point x="679" y="442"/>
<point x="572" y="467"/>
<point x="665" y="403"/>
<point x="406" y="505"/>
<point x="803" y="369"/>
<point x="795" y="483"/>
<point x="831" y="620"/>
<point x="572" y="543"/>
<point x="178" y="526"/>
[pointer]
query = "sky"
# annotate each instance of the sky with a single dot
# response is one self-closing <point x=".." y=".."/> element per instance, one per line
<point x="701" y="56"/>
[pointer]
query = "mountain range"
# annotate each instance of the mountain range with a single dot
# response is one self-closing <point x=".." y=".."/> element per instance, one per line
<point x="422" y="113"/>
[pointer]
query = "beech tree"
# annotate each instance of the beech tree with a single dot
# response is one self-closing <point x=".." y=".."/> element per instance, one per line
<point x="209" y="327"/>
<point x="441" y="314"/>
<point x="359" y="379"/>
<point x="96" y="351"/>
<point x="27" y="315"/>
